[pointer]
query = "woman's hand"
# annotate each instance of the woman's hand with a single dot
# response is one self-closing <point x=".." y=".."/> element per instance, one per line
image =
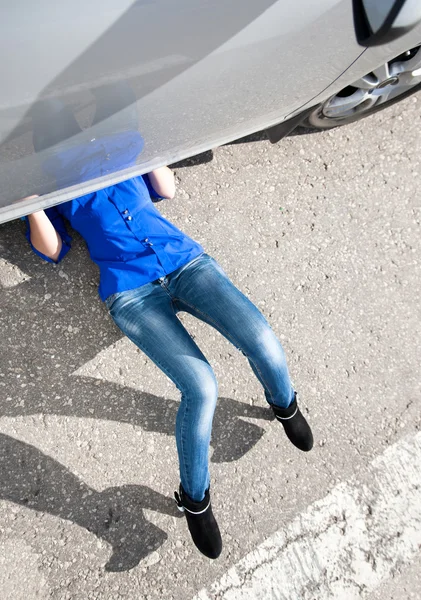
<point x="163" y="182"/>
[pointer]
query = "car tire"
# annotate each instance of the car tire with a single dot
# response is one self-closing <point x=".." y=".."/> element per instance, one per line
<point x="390" y="83"/>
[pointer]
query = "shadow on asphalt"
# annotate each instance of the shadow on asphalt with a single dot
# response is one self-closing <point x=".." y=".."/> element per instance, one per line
<point x="259" y="136"/>
<point x="52" y="324"/>
<point x="32" y="479"/>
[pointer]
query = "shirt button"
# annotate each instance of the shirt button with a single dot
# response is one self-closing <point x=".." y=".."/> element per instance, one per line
<point x="125" y="212"/>
<point x="129" y="218"/>
<point x="146" y="239"/>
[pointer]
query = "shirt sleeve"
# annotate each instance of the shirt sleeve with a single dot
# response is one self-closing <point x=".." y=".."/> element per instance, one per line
<point x="58" y="224"/>
<point x="153" y="194"/>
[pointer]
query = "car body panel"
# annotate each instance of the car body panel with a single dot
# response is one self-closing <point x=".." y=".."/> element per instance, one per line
<point x="201" y="73"/>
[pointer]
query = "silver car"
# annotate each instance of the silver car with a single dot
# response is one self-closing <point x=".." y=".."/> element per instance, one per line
<point x="94" y="93"/>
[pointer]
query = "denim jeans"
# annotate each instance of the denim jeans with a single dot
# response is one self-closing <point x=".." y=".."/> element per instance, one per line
<point x="147" y="316"/>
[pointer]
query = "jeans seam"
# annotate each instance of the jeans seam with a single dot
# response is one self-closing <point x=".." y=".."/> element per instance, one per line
<point x="182" y="443"/>
<point x="168" y="373"/>
<point x="183" y="422"/>
<point x="229" y="337"/>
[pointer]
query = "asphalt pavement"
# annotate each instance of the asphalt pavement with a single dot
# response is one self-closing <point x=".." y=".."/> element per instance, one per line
<point x="322" y="232"/>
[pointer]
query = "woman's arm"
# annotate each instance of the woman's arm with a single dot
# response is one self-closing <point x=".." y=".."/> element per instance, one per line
<point x="44" y="237"/>
<point x="163" y="182"/>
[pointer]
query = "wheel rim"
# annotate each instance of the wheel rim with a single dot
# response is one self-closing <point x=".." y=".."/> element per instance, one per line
<point x="387" y="82"/>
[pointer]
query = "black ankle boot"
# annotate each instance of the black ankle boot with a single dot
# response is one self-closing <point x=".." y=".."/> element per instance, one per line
<point x="201" y="522"/>
<point x="295" y="425"/>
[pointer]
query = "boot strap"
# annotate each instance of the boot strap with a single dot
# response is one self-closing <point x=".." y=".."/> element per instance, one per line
<point x="286" y="418"/>
<point x="182" y="508"/>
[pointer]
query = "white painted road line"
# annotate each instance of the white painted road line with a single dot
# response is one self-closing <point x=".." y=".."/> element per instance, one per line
<point x="344" y="545"/>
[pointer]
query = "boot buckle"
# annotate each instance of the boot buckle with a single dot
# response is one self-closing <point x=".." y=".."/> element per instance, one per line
<point x="178" y="502"/>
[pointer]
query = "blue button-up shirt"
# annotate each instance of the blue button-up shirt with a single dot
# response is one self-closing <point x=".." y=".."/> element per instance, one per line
<point x="127" y="237"/>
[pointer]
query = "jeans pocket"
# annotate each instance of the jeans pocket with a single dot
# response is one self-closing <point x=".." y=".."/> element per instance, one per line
<point x="191" y="262"/>
<point x="109" y="301"/>
<point x="127" y="296"/>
